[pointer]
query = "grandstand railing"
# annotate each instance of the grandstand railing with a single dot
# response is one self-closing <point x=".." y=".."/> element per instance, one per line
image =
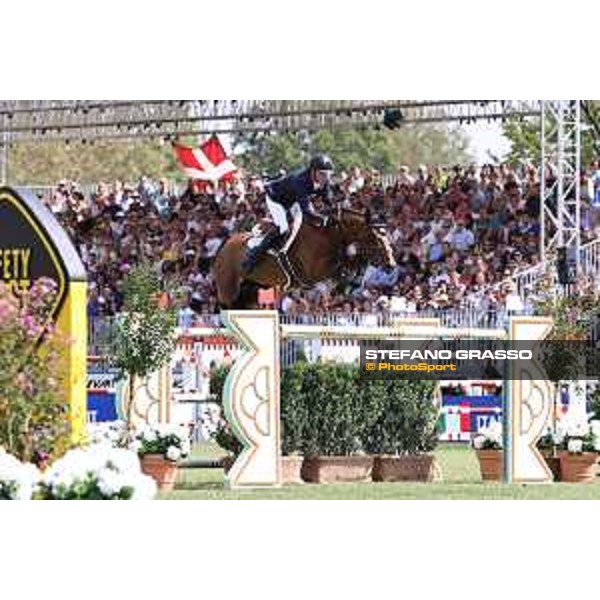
<point x="42" y="191"/>
<point x="101" y="331"/>
<point x="87" y="189"/>
<point x="590" y="258"/>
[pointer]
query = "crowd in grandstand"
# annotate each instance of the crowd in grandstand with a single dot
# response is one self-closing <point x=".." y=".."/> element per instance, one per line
<point x="458" y="235"/>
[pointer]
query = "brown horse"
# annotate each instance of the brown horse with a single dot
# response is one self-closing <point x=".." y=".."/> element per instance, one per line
<point x="317" y="254"/>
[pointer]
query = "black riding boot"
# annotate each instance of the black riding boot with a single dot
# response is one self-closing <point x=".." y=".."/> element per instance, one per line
<point x="272" y="237"/>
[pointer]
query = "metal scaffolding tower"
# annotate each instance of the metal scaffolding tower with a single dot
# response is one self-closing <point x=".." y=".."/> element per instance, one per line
<point x="560" y="205"/>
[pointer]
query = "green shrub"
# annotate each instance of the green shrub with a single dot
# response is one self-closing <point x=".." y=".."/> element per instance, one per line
<point x="224" y="437"/>
<point x="407" y="424"/>
<point x="294" y="409"/>
<point x="327" y="409"/>
<point x="341" y="409"/>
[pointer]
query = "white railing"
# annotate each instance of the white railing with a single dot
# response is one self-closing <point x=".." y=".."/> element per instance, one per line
<point x="41" y="191"/>
<point x="451" y="317"/>
<point x="527" y="279"/>
<point x="87" y="189"/>
<point x="590" y="258"/>
<point x="101" y="330"/>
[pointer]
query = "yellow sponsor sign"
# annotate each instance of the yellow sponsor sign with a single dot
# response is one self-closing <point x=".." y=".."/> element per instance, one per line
<point x="34" y="245"/>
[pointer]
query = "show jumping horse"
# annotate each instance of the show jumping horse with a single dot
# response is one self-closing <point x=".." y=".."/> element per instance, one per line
<point x="316" y="254"/>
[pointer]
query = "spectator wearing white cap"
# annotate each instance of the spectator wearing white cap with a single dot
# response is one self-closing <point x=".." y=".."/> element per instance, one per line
<point x="404" y="176"/>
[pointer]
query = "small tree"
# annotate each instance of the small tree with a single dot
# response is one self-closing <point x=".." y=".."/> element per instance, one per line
<point x="145" y="332"/>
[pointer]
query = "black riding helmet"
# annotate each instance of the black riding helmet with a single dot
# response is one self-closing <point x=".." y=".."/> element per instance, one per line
<point x="321" y="168"/>
<point x="321" y="162"/>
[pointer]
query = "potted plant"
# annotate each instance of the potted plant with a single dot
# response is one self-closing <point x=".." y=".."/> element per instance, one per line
<point x="341" y="408"/>
<point x="161" y="446"/>
<point x="145" y="333"/>
<point x="561" y="353"/>
<point x="548" y="446"/>
<point x="488" y="446"/>
<point x="579" y="458"/>
<point x="293" y="422"/>
<point x="404" y="436"/>
<point x="326" y="411"/>
<point x="293" y="413"/>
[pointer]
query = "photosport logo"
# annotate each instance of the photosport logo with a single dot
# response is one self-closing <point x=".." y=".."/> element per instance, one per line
<point x="478" y="359"/>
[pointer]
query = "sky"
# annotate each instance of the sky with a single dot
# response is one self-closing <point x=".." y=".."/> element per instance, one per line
<point x="486" y="137"/>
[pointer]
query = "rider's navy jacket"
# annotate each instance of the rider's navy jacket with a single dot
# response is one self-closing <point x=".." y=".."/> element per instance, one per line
<point x="296" y="187"/>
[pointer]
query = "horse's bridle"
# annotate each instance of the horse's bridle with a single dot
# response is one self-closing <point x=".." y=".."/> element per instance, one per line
<point x="377" y="230"/>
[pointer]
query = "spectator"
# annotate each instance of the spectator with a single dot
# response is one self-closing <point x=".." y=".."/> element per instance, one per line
<point x="454" y="232"/>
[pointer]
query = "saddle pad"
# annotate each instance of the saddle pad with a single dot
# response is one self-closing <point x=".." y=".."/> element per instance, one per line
<point x="257" y="235"/>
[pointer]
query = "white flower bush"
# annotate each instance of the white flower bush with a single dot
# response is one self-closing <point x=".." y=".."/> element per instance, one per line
<point x="578" y="429"/>
<point x="489" y="438"/>
<point x="98" y="472"/>
<point x="578" y="435"/>
<point x="18" y="481"/>
<point x="574" y="446"/>
<point x="172" y="441"/>
<point x="173" y="453"/>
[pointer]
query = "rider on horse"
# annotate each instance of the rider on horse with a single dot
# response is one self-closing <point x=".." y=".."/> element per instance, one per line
<point x="283" y="194"/>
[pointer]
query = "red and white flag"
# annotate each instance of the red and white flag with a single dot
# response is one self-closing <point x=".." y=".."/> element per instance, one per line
<point x="209" y="162"/>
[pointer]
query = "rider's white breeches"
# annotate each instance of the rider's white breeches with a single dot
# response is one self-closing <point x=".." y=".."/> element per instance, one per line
<point x="279" y="215"/>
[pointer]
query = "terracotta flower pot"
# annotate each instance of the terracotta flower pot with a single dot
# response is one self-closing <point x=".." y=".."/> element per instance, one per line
<point x="553" y="463"/>
<point x="578" y="468"/>
<point x="337" y="469"/>
<point x="291" y="469"/>
<point x="163" y="471"/>
<point x="491" y="464"/>
<point x="416" y="467"/>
